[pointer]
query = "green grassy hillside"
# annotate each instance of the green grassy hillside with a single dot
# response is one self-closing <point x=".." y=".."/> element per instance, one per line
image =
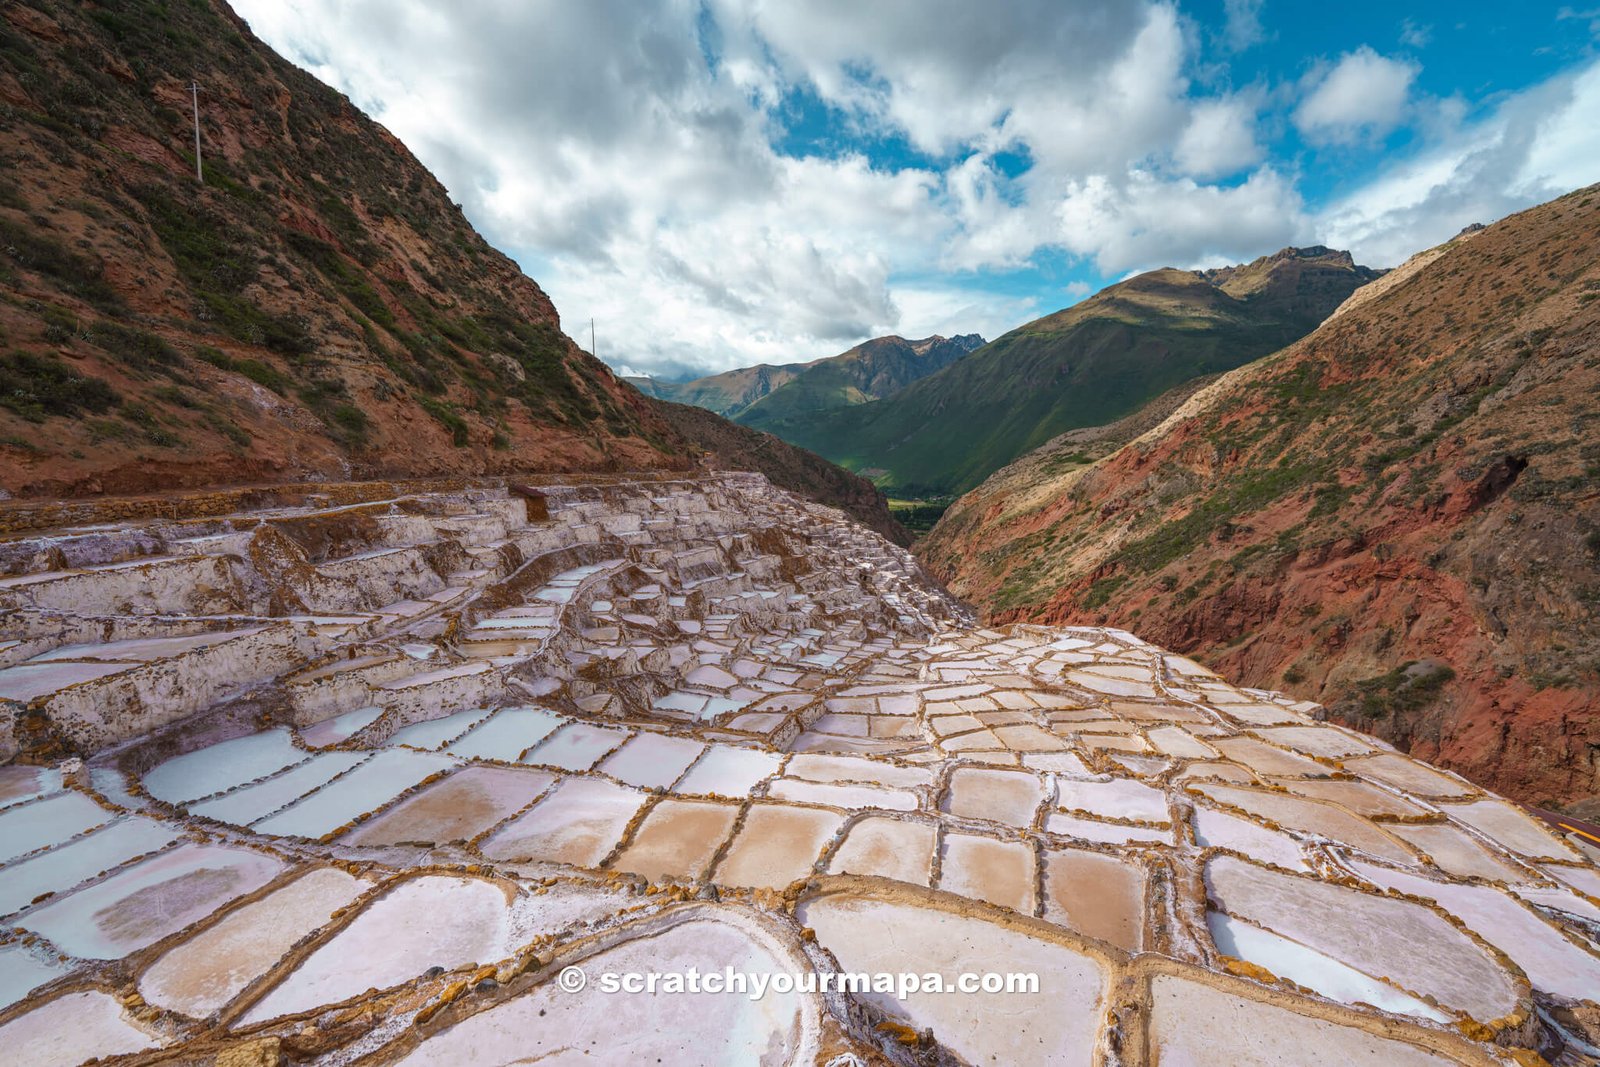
<point x="873" y="370"/>
<point x="1088" y="365"/>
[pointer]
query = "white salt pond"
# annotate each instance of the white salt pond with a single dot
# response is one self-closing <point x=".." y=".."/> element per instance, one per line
<point x="1553" y="963"/>
<point x="1402" y="941"/>
<point x="728" y="771"/>
<point x="421" y="923"/>
<point x="340" y="727"/>
<point x="578" y="823"/>
<point x="576" y="746"/>
<point x="509" y="733"/>
<point x="1058" y="1025"/>
<point x="25" y="828"/>
<point x="71" y="1029"/>
<point x="1312" y="969"/>
<point x="430" y="735"/>
<point x="63" y="868"/>
<point x="205" y="972"/>
<point x="24" y="969"/>
<point x="244" y="806"/>
<point x="550" y="1026"/>
<point x="222" y="766"/>
<point x="1192" y="1023"/>
<point x="652" y="761"/>
<point x="150" y="900"/>
<point x="366" y="788"/>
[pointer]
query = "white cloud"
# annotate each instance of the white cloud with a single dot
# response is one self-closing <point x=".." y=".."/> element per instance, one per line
<point x="1536" y="145"/>
<point x="1220" y="139"/>
<point x="1141" y="221"/>
<point x="625" y="151"/>
<point x="1242" y="26"/>
<point x="1364" y="94"/>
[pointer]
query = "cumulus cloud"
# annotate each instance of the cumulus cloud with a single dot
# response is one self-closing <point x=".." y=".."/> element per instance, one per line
<point x="1536" y="145"/>
<point x="1363" y="94"/>
<point x="1219" y="140"/>
<point x="632" y="154"/>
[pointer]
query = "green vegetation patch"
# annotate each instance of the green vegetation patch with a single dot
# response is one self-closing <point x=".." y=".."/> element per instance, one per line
<point x="37" y="387"/>
<point x="1409" y="687"/>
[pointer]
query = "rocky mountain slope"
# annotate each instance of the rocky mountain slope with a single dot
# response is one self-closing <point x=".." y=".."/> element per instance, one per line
<point x="873" y="370"/>
<point x="1398" y="516"/>
<point x="1085" y="366"/>
<point x="727" y="393"/>
<point x="317" y="308"/>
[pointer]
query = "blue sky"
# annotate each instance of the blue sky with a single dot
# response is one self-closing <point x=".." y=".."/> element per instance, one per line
<point x="726" y="182"/>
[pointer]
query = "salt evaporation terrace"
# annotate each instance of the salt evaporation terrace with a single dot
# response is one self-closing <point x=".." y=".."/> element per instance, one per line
<point x="353" y="784"/>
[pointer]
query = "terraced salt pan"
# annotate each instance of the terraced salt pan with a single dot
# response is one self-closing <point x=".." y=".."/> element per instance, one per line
<point x="1193" y="1023"/>
<point x="1455" y="853"/>
<point x="549" y="1026"/>
<point x="201" y="975"/>
<point x="71" y="1029"/>
<point x="420" y="923"/>
<point x="578" y="823"/>
<point x="1516" y="830"/>
<point x="244" y="806"/>
<point x="142" y="649"/>
<point x="1095" y="894"/>
<point x="982" y="868"/>
<point x="678" y="839"/>
<point x="27" y="827"/>
<point x="652" y="761"/>
<point x="19" y="783"/>
<point x="851" y="797"/>
<point x="435" y="732"/>
<point x="508" y="734"/>
<point x="1309" y="816"/>
<point x="1404" y="942"/>
<point x="458" y="808"/>
<point x="576" y="746"/>
<point x="776" y="846"/>
<point x="1267" y="759"/>
<point x="65" y="867"/>
<point x="1407" y="774"/>
<point x="1107" y="833"/>
<point x="888" y="848"/>
<point x="366" y="788"/>
<point x="150" y="900"/>
<point x="1119" y="798"/>
<point x="340" y="727"/>
<point x="728" y="771"/>
<point x="24" y="969"/>
<point x="1219" y="829"/>
<point x="26" y="681"/>
<point x="222" y="766"/>
<point x="1058" y="1025"/>
<point x="1362" y="798"/>
<point x="1010" y="797"/>
<point x="1310" y="968"/>
<point x="819" y="768"/>
<point x="1553" y="963"/>
<point x="1323" y="740"/>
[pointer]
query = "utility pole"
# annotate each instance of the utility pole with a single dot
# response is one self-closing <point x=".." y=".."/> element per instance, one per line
<point x="194" y="91"/>
<point x="592" y="350"/>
